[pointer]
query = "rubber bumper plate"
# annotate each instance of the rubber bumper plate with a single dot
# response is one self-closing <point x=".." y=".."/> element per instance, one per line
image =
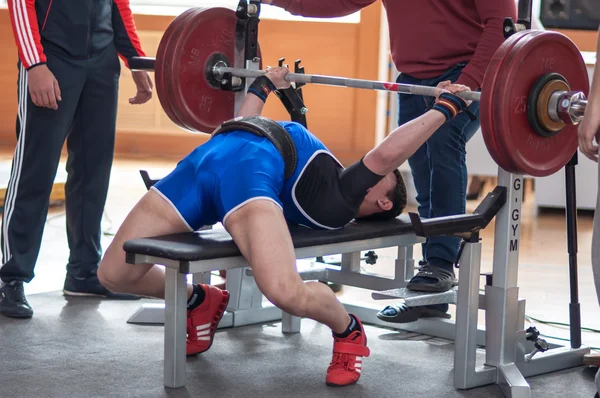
<point x="186" y="53"/>
<point x="536" y="54"/>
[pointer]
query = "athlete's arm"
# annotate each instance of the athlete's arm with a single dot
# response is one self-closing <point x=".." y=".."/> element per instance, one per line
<point x="404" y="141"/>
<point x="260" y="89"/>
<point x="251" y="106"/>
<point x="356" y="179"/>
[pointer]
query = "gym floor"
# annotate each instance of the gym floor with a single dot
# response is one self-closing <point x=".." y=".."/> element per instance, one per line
<point x="543" y="281"/>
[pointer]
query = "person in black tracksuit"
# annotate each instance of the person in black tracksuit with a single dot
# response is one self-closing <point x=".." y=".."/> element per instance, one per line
<point x="67" y="90"/>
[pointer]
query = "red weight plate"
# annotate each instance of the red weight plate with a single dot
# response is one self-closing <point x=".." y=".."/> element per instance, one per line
<point x="192" y="117"/>
<point x="504" y="152"/>
<point x="160" y="71"/>
<point x="198" y="105"/>
<point x="171" y="65"/>
<point x="182" y="59"/>
<point x="485" y="105"/>
<point x="530" y="58"/>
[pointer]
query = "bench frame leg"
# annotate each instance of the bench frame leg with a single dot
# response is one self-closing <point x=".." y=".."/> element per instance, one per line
<point x="175" y="328"/>
<point x="290" y="323"/>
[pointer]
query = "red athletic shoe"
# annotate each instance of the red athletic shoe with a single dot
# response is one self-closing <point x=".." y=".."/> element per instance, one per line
<point x="202" y="321"/>
<point x="346" y="365"/>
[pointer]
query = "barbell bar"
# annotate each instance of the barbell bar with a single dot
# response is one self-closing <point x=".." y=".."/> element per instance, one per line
<point x="221" y="68"/>
<point x="567" y="107"/>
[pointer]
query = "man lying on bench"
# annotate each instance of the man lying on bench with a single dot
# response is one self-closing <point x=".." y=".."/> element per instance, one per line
<point x="255" y="176"/>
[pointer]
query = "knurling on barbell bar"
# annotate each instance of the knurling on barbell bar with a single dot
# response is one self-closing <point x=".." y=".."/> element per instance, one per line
<point x="532" y="96"/>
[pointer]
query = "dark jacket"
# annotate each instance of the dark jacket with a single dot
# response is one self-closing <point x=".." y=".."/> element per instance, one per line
<point x="72" y="28"/>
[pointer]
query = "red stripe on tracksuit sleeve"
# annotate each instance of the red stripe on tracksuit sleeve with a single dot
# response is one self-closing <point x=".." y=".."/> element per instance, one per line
<point x="23" y="19"/>
<point x="127" y="40"/>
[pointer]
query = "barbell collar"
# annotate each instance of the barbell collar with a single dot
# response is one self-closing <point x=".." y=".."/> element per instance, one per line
<point x="220" y="69"/>
<point x="553" y="106"/>
<point x="567" y="106"/>
<point x="578" y="107"/>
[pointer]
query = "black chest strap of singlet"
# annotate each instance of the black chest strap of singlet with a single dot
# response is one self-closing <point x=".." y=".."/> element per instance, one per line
<point x="270" y="129"/>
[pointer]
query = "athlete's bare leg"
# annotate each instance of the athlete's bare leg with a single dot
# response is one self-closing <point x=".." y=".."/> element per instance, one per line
<point x="261" y="233"/>
<point x="151" y="216"/>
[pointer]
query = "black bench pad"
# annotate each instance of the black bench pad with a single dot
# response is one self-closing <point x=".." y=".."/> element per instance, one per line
<point x="217" y="243"/>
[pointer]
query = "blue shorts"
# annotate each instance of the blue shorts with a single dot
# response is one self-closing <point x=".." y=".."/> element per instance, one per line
<point x="222" y="175"/>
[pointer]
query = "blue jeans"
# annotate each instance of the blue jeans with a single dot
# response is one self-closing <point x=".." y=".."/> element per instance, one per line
<point x="439" y="166"/>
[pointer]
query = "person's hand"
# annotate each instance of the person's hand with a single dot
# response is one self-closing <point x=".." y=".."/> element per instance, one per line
<point x="441" y="88"/>
<point x="588" y="130"/>
<point x="277" y="77"/>
<point x="452" y="88"/>
<point x="43" y="87"/>
<point x="144" y="87"/>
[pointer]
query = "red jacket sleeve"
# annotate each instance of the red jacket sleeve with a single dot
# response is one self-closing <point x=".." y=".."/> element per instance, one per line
<point x="322" y="8"/>
<point x="492" y="15"/>
<point x="126" y="39"/>
<point x="24" y="22"/>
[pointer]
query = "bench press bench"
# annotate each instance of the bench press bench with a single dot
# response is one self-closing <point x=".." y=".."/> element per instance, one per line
<point x="201" y="252"/>
<point x="511" y="353"/>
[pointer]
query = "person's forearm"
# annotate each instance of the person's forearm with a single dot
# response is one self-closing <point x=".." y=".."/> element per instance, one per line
<point x="403" y="142"/>
<point x="492" y="14"/>
<point x="593" y="107"/>
<point x="320" y="8"/>
<point x="256" y="97"/>
<point x="251" y="106"/>
<point x="126" y="38"/>
<point x="491" y="39"/>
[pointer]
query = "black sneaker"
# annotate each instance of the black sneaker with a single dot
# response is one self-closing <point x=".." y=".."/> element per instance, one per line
<point x="401" y="313"/>
<point x="91" y="286"/>
<point x="13" y="303"/>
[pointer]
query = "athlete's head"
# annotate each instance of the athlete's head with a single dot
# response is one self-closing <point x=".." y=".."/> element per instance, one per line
<point x="385" y="201"/>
